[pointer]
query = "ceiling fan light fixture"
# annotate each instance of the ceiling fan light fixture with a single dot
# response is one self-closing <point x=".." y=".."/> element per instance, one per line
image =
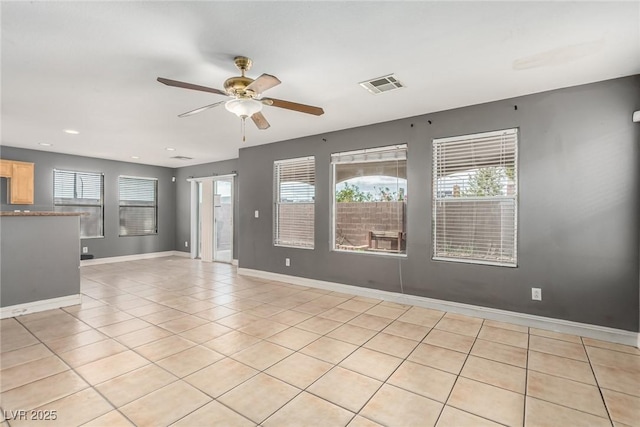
<point x="243" y="107"/>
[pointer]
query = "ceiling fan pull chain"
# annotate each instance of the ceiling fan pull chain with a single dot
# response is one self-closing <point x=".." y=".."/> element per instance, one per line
<point x="243" y="129"/>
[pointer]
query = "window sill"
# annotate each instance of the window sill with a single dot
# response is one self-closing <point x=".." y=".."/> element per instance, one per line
<point x="473" y="261"/>
<point x="293" y="247"/>
<point x="372" y="253"/>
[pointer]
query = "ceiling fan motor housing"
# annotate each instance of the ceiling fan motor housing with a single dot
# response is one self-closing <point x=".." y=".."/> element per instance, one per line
<point x="237" y="86"/>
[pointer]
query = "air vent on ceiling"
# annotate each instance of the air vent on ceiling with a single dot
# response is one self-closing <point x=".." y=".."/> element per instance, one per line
<point x="382" y="84"/>
<point x="182" y="158"/>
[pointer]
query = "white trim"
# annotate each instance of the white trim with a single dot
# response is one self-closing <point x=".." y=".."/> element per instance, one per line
<point x="206" y="214"/>
<point x="234" y="262"/>
<point x="294" y="247"/>
<point x="557" y="325"/>
<point x="110" y="260"/>
<point x="400" y="255"/>
<point x="212" y="178"/>
<point x="397" y="148"/>
<point x="146" y="178"/>
<point x="37" y="306"/>
<point x="297" y="159"/>
<point x="193" y="220"/>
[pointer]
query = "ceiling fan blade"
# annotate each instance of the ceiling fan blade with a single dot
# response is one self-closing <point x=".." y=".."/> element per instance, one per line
<point x="198" y="110"/>
<point x="260" y="121"/>
<point x="263" y="83"/>
<point x="316" y="111"/>
<point x="191" y="86"/>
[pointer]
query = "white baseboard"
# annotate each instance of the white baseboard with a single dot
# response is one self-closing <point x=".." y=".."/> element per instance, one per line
<point x="37" y="306"/>
<point x="557" y="325"/>
<point x="234" y="262"/>
<point x="135" y="257"/>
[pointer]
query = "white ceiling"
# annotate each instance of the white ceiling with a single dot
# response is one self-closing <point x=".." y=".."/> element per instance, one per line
<point x="92" y="66"/>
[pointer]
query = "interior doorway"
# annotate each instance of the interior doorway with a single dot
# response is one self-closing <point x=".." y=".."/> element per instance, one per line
<point x="212" y="218"/>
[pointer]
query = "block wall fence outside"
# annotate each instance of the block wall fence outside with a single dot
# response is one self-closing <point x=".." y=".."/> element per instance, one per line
<point x="355" y="219"/>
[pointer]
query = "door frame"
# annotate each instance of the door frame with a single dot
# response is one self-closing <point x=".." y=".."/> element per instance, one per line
<point x="195" y="238"/>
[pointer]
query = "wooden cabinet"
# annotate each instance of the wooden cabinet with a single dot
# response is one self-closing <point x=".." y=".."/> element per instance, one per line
<point x="6" y="168"/>
<point x="22" y="183"/>
<point x="19" y="181"/>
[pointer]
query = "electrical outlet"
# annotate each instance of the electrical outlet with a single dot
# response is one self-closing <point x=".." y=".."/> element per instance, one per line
<point x="256" y="214"/>
<point x="536" y="294"/>
<point x="186" y="244"/>
<point x="85" y="250"/>
<point x="287" y="262"/>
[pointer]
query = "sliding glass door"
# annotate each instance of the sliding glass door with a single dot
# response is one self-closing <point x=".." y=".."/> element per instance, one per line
<point x="212" y="218"/>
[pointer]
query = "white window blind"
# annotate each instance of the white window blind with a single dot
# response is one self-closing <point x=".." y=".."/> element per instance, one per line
<point x="294" y="204"/>
<point x="475" y="195"/>
<point x="138" y="206"/>
<point x="81" y="192"/>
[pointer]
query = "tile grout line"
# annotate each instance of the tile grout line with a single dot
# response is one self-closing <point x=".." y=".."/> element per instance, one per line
<point x="263" y="371"/>
<point x="262" y="302"/>
<point x="111" y="338"/>
<point x="526" y="379"/>
<point x="171" y="373"/>
<point x="72" y="369"/>
<point x="334" y="365"/>
<point x="459" y="374"/>
<point x="332" y="368"/>
<point x="595" y="377"/>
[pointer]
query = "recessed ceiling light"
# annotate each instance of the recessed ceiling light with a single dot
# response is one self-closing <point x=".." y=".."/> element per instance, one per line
<point x="44" y="144"/>
<point x="71" y="131"/>
<point x="170" y="149"/>
<point x="135" y="157"/>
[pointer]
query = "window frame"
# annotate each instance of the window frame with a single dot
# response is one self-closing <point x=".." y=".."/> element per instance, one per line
<point x="155" y="205"/>
<point x="94" y="205"/>
<point x="332" y="236"/>
<point x="276" y="202"/>
<point x="516" y="198"/>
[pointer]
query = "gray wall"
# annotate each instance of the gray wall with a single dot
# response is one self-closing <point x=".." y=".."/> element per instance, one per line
<point x="183" y="199"/>
<point x="111" y="245"/>
<point x="40" y="258"/>
<point x="579" y="166"/>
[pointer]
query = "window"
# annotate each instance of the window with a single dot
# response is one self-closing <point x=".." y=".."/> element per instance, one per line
<point x="475" y="195"/>
<point x="294" y="205"/>
<point x="370" y="203"/>
<point x="138" y="206"/>
<point x="81" y="192"/>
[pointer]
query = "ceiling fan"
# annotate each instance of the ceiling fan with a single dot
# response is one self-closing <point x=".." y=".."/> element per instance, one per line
<point x="246" y="94"/>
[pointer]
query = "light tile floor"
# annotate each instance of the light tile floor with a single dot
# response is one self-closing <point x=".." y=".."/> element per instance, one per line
<point x="173" y="341"/>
